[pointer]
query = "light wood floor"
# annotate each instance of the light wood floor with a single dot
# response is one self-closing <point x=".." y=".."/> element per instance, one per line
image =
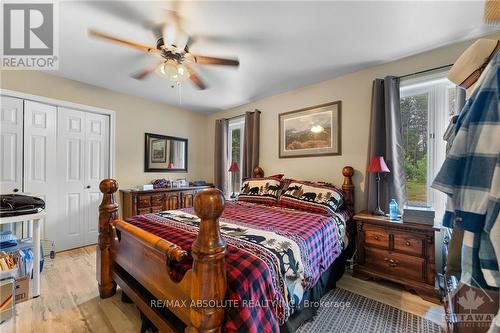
<point x="69" y="300"/>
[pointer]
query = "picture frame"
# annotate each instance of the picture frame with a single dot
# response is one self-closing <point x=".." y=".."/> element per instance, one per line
<point x="311" y="131"/>
<point x="163" y="153"/>
<point x="158" y="151"/>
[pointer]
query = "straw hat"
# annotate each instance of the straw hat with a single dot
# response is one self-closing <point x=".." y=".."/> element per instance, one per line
<point x="468" y="68"/>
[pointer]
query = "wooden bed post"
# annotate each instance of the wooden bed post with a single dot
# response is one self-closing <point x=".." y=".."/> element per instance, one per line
<point x="208" y="283"/>
<point x="108" y="211"/>
<point x="348" y="187"/>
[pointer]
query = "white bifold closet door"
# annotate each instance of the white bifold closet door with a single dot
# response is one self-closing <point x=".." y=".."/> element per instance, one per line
<point x="40" y="160"/>
<point x="83" y="161"/>
<point x="11" y="145"/>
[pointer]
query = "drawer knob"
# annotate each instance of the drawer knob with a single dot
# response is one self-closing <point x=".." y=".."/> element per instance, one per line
<point x="376" y="237"/>
<point x="391" y="262"/>
<point x="408" y="243"/>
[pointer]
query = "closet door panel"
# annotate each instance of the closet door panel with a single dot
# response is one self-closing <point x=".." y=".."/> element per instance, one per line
<point x="71" y="178"/>
<point x="40" y="167"/>
<point x="96" y="169"/>
<point x="11" y="144"/>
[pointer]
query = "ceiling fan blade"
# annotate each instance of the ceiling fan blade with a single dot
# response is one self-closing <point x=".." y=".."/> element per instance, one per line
<point x="203" y="60"/>
<point x="175" y="34"/>
<point x="189" y="42"/>
<point x="143" y="73"/>
<point x="137" y="46"/>
<point x="195" y="78"/>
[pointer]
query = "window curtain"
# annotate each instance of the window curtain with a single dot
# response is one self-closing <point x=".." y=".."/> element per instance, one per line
<point x="220" y="158"/>
<point x="251" y="143"/>
<point x="386" y="140"/>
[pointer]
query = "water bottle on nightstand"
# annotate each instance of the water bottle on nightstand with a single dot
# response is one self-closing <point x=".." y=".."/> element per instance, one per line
<point x="393" y="210"/>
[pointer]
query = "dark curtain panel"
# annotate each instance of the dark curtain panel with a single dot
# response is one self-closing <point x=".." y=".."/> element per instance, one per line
<point x="220" y="158"/>
<point x="251" y="143"/>
<point x="386" y="140"/>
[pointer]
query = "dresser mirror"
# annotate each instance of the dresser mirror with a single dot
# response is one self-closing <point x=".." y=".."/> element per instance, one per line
<point x="163" y="153"/>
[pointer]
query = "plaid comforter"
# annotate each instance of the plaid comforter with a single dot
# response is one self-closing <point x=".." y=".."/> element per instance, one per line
<point x="258" y="290"/>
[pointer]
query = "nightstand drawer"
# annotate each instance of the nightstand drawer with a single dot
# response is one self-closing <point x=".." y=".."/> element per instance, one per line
<point x="376" y="237"/>
<point x="396" y="264"/>
<point x="408" y="243"/>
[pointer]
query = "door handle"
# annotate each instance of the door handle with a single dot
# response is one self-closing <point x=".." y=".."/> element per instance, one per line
<point x="15" y="190"/>
<point x="88" y="186"/>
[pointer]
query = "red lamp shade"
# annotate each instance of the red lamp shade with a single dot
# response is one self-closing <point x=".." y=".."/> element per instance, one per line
<point x="377" y="164"/>
<point x="234" y="167"/>
<point x="170" y="165"/>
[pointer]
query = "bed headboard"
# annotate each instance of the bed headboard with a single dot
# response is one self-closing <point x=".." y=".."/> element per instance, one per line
<point x="347" y="185"/>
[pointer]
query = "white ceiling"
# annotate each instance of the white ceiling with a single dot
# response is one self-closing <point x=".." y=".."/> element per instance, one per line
<point x="280" y="45"/>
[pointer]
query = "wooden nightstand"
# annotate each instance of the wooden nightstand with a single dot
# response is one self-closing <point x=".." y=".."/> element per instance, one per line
<point x="401" y="252"/>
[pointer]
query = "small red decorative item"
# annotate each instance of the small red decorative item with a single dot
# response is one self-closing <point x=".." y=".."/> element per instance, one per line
<point x="377" y="164"/>
<point x="170" y="165"/>
<point x="234" y="167"/>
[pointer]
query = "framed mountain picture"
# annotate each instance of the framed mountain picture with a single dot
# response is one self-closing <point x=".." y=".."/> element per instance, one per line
<point x="313" y="131"/>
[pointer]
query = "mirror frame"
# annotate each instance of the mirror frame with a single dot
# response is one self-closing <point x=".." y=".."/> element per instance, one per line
<point x="147" y="136"/>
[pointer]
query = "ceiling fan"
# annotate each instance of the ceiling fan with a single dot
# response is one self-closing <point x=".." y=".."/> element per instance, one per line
<point x="176" y="59"/>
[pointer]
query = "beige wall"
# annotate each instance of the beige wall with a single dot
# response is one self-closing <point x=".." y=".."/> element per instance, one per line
<point x="134" y="117"/>
<point x="354" y="90"/>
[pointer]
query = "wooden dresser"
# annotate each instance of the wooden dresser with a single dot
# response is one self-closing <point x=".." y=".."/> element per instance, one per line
<point x="137" y="202"/>
<point x="396" y="251"/>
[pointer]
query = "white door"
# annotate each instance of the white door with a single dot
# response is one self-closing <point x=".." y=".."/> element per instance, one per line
<point x="96" y="169"/>
<point x="71" y="178"/>
<point x="83" y="161"/>
<point x="11" y="144"/>
<point x="40" y="160"/>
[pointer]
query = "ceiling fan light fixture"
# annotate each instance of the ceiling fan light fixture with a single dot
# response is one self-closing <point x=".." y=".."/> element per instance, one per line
<point x="182" y="72"/>
<point x="174" y="72"/>
<point x="169" y="70"/>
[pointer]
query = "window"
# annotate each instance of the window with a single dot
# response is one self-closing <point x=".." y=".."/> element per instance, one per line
<point x="235" y="149"/>
<point x="427" y="103"/>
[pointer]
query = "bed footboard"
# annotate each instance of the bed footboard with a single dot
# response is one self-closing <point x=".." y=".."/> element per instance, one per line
<point x="108" y="212"/>
<point x="122" y="246"/>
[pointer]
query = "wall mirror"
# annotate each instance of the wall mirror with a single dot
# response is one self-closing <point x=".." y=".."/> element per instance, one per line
<point x="165" y="153"/>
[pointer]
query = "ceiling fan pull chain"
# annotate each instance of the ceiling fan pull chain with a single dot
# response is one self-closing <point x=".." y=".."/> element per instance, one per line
<point x="179" y="85"/>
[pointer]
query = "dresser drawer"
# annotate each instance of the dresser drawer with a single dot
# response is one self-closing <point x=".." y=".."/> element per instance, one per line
<point x="409" y="243"/>
<point x="395" y="264"/>
<point x="142" y="211"/>
<point x="157" y="200"/>
<point x="144" y="201"/>
<point x="156" y="209"/>
<point x="377" y="237"/>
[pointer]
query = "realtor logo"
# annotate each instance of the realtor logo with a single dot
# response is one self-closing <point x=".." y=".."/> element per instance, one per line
<point x="29" y="31"/>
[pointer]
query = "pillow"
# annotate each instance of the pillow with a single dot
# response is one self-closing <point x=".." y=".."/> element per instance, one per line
<point x="277" y="176"/>
<point x="320" y="198"/>
<point x="260" y="190"/>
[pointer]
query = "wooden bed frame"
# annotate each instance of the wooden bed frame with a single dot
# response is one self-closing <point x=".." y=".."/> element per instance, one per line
<point x="139" y="262"/>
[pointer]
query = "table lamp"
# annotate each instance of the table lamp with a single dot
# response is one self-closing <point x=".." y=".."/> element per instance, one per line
<point x="377" y="165"/>
<point x="233" y="168"/>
